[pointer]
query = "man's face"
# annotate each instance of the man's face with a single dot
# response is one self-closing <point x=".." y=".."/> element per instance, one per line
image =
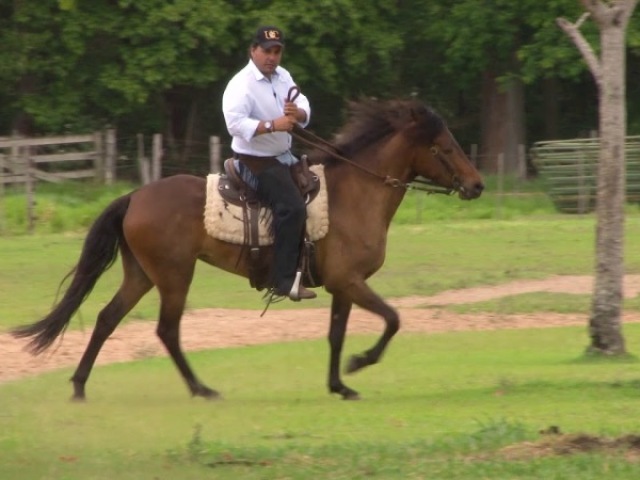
<point x="266" y="59"/>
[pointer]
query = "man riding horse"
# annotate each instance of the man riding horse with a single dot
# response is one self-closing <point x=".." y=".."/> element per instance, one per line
<point x="259" y="115"/>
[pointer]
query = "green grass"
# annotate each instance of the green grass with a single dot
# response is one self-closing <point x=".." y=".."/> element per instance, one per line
<point x="438" y="406"/>
<point x="421" y="260"/>
<point x="537" y="302"/>
<point x="71" y="206"/>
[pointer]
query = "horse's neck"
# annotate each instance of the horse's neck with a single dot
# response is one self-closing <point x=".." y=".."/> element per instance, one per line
<point x="392" y="160"/>
<point x="369" y="199"/>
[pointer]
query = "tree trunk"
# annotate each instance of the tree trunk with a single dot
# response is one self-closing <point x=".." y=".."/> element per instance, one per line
<point x="605" y="323"/>
<point x="503" y="123"/>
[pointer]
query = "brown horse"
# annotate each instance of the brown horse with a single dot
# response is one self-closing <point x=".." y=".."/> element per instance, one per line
<point x="158" y="230"/>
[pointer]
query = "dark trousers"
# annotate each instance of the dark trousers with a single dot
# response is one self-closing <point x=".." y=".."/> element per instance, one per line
<point x="277" y="190"/>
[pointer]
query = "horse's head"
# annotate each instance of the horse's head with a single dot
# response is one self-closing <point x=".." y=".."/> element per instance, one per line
<point x="437" y="155"/>
<point x="400" y="140"/>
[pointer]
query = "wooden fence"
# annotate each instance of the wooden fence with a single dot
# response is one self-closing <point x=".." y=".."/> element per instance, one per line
<point x="570" y="169"/>
<point x="59" y="158"/>
<point x="150" y="169"/>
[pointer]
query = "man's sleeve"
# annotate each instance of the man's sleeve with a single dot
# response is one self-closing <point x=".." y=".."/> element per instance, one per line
<point x="236" y="107"/>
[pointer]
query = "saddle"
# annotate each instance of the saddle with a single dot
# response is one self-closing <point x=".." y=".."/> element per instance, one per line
<point x="234" y="190"/>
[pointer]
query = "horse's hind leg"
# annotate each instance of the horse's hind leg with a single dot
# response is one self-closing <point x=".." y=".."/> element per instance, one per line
<point x="134" y="285"/>
<point x="169" y="333"/>
<point x="173" y="297"/>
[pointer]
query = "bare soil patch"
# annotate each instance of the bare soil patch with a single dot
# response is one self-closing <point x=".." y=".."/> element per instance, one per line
<point x="571" y="444"/>
<point x="219" y="328"/>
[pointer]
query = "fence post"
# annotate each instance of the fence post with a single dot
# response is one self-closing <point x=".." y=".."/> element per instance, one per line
<point x="14" y="159"/>
<point x="474" y="154"/>
<point x="110" y="157"/>
<point x="583" y="190"/>
<point x="215" y="154"/>
<point x="156" y="158"/>
<point x="29" y="187"/>
<point x="522" y="162"/>
<point x="143" y="162"/>
<point x="2" y="175"/>
<point x="99" y="158"/>
<point x="500" y="184"/>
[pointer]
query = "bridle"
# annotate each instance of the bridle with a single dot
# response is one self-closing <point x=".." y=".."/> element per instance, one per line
<point x="446" y="163"/>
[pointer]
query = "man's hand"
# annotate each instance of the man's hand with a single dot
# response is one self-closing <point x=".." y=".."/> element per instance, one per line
<point x="292" y="110"/>
<point x="284" y="123"/>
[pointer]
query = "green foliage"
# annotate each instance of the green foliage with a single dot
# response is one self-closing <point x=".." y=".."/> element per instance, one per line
<point x="360" y="63"/>
<point x="77" y="66"/>
<point x="548" y="51"/>
<point x="80" y="66"/>
<point x="490" y="35"/>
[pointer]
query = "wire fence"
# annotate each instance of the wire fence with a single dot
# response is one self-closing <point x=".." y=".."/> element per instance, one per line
<point x="570" y="168"/>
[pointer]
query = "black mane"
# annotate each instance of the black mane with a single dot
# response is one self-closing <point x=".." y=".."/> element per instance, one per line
<point x="373" y="120"/>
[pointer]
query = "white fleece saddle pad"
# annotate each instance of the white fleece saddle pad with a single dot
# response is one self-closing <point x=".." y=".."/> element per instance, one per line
<point x="223" y="220"/>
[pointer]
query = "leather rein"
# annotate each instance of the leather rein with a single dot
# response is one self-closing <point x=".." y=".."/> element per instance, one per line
<point x="421" y="184"/>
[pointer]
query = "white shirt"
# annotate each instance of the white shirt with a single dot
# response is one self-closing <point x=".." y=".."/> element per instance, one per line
<point x="251" y="97"/>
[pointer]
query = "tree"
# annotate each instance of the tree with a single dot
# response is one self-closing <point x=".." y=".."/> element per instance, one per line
<point x="160" y="66"/>
<point x="495" y="47"/>
<point x="608" y="69"/>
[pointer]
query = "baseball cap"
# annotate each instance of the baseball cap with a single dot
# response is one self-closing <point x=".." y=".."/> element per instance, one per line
<point x="269" y="36"/>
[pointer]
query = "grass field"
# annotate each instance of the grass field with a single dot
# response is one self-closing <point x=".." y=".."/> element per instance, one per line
<point x="440" y="406"/>
<point x="466" y="405"/>
<point x="421" y="260"/>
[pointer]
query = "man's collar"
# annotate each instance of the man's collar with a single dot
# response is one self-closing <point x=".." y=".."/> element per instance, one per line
<point x="259" y="75"/>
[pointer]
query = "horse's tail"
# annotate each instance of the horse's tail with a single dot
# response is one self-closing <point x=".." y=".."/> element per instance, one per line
<point x="99" y="251"/>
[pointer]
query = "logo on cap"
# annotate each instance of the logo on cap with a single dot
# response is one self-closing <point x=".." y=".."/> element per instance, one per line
<point x="272" y="35"/>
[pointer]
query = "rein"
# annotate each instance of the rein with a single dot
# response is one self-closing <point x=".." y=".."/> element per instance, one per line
<point x="327" y="147"/>
<point x="423" y="185"/>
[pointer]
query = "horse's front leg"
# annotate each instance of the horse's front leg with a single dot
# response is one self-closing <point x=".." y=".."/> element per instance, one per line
<point x="340" y="310"/>
<point x="364" y="297"/>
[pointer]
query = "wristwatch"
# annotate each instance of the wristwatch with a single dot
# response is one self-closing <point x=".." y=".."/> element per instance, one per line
<point x="268" y="125"/>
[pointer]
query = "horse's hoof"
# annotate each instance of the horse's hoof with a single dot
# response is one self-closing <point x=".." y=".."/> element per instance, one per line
<point x="206" y="393"/>
<point x="350" y="395"/>
<point x="78" y="399"/>
<point x="356" y="362"/>
<point x="346" y="393"/>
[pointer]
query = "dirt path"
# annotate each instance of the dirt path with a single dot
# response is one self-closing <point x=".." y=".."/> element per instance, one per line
<point x="217" y="328"/>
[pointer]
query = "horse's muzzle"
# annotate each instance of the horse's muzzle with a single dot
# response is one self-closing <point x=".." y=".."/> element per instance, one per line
<point x="469" y="192"/>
